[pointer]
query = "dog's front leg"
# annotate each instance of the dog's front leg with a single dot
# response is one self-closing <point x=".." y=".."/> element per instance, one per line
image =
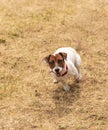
<point x="55" y="80"/>
<point x="66" y="87"/>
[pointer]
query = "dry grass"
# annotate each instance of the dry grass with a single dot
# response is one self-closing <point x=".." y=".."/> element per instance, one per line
<point x="31" y="29"/>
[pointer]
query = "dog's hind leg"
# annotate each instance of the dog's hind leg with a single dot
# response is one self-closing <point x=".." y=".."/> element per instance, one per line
<point x="79" y="73"/>
<point x="77" y="65"/>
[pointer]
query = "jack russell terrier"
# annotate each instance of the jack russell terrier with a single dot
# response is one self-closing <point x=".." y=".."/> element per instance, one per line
<point x="64" y="63"/>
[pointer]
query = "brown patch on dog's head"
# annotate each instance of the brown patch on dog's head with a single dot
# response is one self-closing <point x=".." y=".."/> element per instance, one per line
<point x="64" y="55"/>
<point x="46" y="59"/>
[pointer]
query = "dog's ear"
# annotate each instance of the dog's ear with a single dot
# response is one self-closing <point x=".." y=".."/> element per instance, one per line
<point x="46" y="59"/>
<point x="63" y="54"/>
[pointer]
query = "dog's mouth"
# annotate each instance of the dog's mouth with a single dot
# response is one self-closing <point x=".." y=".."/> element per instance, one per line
<point x="58" y="74"/>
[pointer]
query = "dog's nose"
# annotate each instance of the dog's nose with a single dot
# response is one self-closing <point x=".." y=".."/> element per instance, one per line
<point x="56" y="70"/>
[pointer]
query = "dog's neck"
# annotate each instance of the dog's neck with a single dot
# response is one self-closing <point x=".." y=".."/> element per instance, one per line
<point x="65" y="71"/>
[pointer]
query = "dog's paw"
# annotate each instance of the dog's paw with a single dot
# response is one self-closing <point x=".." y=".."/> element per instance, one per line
<point x="78" y="79"/>
<point x="55" y="81"/>
<point x="66" y="88"/>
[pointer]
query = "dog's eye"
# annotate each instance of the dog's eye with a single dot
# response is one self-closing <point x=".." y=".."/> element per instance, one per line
<point x="60" y="61"/>
<point x="51" y="62"/>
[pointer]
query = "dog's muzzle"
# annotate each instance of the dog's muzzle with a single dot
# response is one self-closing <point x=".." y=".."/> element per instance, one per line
<point x="58" y="71"/>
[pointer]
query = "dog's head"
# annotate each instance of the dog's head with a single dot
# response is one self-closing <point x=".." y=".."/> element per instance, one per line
<point x="56" y="62"/>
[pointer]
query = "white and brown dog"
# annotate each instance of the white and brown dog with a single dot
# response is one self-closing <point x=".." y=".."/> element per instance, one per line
<point x="64" y="63"/>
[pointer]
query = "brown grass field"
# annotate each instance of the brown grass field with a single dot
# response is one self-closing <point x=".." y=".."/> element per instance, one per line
<point x="32" y="29"/>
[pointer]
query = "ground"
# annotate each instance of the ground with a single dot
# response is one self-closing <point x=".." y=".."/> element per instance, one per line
<point x="32" y="29"/>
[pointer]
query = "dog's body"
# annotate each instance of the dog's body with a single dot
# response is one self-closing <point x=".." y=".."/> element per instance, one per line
<point x="64" y="63"/>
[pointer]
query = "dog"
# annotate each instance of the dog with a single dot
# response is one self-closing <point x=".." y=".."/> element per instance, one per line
<point x="64" y="63"/>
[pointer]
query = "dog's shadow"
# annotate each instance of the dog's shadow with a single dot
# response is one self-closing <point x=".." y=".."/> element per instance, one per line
<point x="64" y="100"/>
